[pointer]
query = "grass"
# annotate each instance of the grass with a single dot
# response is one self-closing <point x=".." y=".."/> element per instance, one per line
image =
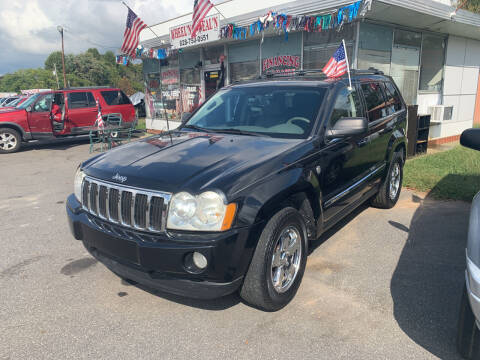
<point x="141" y="124"/>
<point x="452" y="174"/>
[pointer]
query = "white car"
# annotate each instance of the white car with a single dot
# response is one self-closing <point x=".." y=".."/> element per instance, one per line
<point x="468" y="337"/>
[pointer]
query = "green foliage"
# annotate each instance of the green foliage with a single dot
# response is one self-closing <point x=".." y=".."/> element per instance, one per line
<point x="87" y="69"/>
<point x="473" y="5"/>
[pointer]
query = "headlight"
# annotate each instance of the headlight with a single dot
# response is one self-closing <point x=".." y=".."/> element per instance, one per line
<point x="473" y="243"/>
<point x="205" y="212"/>
<point x="77" y="184"/>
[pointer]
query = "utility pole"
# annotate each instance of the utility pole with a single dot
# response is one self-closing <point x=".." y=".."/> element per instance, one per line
<point x="60" y="30"/>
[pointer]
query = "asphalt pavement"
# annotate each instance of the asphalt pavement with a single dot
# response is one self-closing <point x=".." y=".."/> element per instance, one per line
<point x="383" y="284"/>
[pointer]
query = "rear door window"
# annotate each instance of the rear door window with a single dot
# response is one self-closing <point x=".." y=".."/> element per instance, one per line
<point x="115" y="97"/>
<point x="78" y="100"/>
<point x="375" y="101"/>
<point x="394" y="103"/>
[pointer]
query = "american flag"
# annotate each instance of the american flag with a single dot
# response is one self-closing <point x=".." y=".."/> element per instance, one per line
<point x="99" y="120"/>
<point x="200" y="10"/>
<point x="130" y="37"/>
<point x="337" y="66"/>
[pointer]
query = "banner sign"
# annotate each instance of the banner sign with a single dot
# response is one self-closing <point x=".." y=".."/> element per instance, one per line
<point x="181" y="36"/>
<point x="282" y="63"/>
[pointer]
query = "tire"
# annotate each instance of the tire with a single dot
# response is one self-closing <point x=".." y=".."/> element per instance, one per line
<point x="386" y="198"/>
<point x="468" y="334"/>
<point x="258" y="288"/>
<point x="10" y="140"/>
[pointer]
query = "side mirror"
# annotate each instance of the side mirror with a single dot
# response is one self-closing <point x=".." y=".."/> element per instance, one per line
<point x="186" y="116"/>
<point x="28" y="108"/>
<point x="346" y="127"/>
<point x="471" y="138"/>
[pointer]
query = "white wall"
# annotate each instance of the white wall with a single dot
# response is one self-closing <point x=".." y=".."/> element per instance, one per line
<point x="462" y="66"/>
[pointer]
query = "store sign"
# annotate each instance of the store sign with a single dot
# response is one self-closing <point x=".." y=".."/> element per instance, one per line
<point x="282" y="63"/>
<point x="181" y="36"/>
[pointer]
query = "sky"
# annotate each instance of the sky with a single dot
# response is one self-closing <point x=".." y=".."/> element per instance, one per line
<point x="28" y="28"/>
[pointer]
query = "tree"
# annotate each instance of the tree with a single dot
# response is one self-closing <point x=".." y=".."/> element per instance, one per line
<point x="473" y="5"/>
<point x="87" y="69"/>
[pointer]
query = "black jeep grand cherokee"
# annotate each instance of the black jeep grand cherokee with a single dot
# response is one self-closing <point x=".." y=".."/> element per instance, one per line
<point x="230" y="200"/>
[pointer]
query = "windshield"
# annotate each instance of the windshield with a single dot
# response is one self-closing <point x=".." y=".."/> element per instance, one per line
<point x="15" y="102"/>
<point x="277" y="111"/>
<point x="28" y="102"/>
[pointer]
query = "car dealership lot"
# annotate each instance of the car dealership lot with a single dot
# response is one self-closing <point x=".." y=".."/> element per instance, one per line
<point x="386" y="284"/>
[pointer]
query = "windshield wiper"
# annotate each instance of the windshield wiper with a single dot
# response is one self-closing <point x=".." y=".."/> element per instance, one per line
<point x="239" y="132"/>
<point x="195" y="127"/>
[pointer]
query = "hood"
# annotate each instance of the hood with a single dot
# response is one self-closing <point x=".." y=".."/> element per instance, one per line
<point x="192" y="161"/>
<point x="9" y="114"/>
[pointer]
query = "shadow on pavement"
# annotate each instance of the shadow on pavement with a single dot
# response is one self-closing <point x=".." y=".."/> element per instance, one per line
<point x="427" y="283"/>
<point x="222" y="303"/>
<point x="57" y="144"/>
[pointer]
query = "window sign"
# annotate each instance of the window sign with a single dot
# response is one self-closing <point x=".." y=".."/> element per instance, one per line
<point x="282" y="63"/>
<point x="181" y="36"/>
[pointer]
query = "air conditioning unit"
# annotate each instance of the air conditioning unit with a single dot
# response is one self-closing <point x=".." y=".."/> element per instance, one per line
<point x="441" y="113"/>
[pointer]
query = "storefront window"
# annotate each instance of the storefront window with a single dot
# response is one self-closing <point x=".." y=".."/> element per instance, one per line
<point x="375" y="47"/>
<point x="320" y="46"/>
<point x="242" y="71"/>
<point x="405" y="61"/>
<point x="211" y="55"/>
<point x="433" y="58"/>
<point x="244" y="61"/>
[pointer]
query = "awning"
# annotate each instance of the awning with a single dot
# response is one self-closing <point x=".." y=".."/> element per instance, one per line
<point x="427" y="15"/>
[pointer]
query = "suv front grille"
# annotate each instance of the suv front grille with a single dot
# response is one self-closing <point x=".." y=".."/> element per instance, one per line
<point x="131" y="207"/>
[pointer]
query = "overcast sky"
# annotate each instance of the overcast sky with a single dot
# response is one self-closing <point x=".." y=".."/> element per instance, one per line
<point x="28" y="28"/>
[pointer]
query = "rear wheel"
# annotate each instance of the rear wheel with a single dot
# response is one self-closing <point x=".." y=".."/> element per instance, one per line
<point x="10" y="140"/>
<point x="278" y="263"/>
<point x="390" y="190"/>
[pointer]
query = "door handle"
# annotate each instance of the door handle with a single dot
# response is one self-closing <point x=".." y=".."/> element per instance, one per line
<point x="362" y="142"/>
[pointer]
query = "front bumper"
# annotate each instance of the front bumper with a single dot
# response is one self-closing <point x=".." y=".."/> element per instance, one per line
<point x="158" y="260"/>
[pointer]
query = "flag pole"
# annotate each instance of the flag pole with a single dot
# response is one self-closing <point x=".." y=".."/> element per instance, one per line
<point x="159" y="78"/>
<point x="348" y="66"/>
<point x="218" y="11"/>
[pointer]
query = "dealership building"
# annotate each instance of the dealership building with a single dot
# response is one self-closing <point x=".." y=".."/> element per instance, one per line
<point x="430" y="50"/>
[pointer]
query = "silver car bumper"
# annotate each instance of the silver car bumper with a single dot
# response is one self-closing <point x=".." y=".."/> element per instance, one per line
<point x="472" y="279"/>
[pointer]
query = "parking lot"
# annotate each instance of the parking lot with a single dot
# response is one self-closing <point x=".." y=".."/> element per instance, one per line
<point x="382" y="284"/>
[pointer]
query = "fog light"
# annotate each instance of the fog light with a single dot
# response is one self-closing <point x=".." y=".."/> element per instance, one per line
<point x="199" y="260"/>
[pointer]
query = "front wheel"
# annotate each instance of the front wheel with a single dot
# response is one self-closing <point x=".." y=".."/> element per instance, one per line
<point x="390" y="190"/>
<point x="278" y="263"/>
<point x="10" y="140"/>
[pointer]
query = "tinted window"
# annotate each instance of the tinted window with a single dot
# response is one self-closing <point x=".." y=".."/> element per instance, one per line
<point x="43" y="104"/>
<point x="91" y="100"/>
<point x="376" y="107"/>
<point x="346" y="105"/>
<point x="77" y="100"/>
<point x="115" y="97"/>
<point x="277" y="111"/>
<point x="393" y="98"/>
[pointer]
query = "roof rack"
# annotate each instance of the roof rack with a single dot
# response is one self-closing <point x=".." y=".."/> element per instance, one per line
<point x="370" y="71"/>
<point x="86" y="87"/>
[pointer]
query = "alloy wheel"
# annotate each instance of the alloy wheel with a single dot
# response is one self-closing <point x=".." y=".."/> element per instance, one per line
<point x="395" y="177"/>
<point x="286" y="259"/>
<point x="7" y="141"/>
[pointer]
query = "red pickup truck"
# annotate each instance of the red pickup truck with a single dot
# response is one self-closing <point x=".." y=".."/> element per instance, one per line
<point x="76" y="112"/>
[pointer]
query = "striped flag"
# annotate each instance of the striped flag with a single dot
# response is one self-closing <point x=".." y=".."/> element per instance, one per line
<point x="200" y="10"/>
<point x="99" y="120"/>
<point x="337" y="66"/>
<point x="132" y="32"/>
